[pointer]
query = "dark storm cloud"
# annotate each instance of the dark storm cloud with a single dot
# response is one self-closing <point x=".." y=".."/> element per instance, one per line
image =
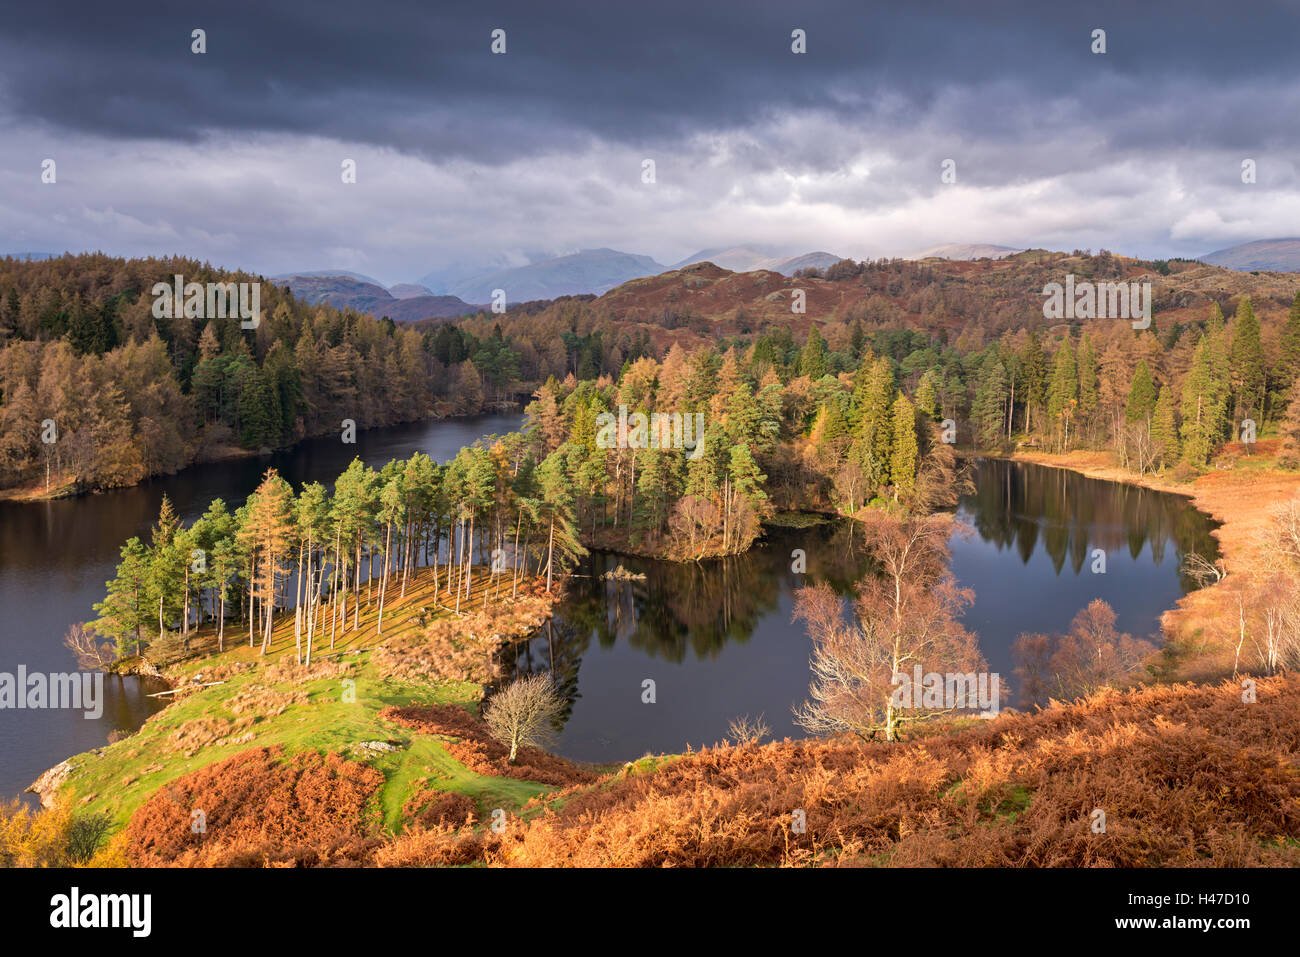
<point x="468" y="157"/>
<point x="419" y="77"/>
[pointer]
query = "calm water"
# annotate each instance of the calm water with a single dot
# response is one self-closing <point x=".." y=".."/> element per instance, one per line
<point x="56" y="556"/>
<point x="716" y="637"/>
<point x="718" y="641"/>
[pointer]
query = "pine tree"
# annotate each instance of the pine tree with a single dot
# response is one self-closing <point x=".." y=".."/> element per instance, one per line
<point x="1289" y="362"/>
<point x="903" y="461"/>
<point x="1141" y="396"/>
<point x="927" y="394"/>
<point x="1203" y="407"/>
<point x="812" y="360"/>
<point x="125" y="611"/>
<point x="562" y="545"/>
<point x="1063" y="393"/>
<point x="1087" y="364"/>
<point x="164" y="582"/>
<point x="873" y="435"/>
<point x="988" y="411"/>
<point x="1247" y="364"/>
<point x="1164" y="431"/>
<point x="1033" y="376"/>
<point x="269" y="533"/>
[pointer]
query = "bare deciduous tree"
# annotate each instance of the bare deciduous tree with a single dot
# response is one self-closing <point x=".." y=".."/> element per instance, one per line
<point x="1091" y="656"/>
<point x="747" y="730"/>
<point x="905" y="616"/>
<point x="521" y="713"/>
<point x="1285" y="534"/>
<point x="91" y="655"/>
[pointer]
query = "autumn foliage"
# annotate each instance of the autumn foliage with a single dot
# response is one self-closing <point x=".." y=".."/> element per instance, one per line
<point x="260" y="808"/>
<point x="1186" y="775"/>
<point x="475" y="747"/>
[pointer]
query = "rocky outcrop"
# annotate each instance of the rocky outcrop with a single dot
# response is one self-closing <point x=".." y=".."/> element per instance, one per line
<point x="46" y="787"/>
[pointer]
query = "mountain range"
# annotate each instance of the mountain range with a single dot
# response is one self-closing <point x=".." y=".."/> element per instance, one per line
<point x="1275" y="255"/>
<point x="457" y="288"/>
<point x="349" y="292"/>
<point x="967" y="251"/>
<point x="751" y="258"/>
<point x="586" y="271"/>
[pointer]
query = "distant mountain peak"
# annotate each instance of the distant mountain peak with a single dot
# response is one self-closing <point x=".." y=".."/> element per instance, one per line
<point x="966" y="251"/>
<point x="1271" y="255"/>
<point x="587" y="271"/>
<point x="753" y="257"/>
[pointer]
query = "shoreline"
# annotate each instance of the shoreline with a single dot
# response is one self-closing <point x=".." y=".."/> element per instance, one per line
<point x="32" y="492"/>
<point x="1241" y="500"/>
<point x="532" y="607"/>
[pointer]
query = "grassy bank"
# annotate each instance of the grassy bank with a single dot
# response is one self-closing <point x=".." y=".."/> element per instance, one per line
<point x="228" y="702"/>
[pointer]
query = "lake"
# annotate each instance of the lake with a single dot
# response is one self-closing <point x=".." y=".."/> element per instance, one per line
<point x="56" y="556"/>
<point x="716" y="637"/>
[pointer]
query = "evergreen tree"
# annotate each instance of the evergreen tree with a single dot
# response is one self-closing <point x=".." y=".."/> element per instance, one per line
<point x="812" y="360"/>
<point x="903" y="461"/>
<point x="1247" y="364"/>
<point x="164" y="582"/>
<point x="1203" y="406"/>
<point x="562" y="545"/>
<point x="1289" y="362"/>
<point x="1141" y="396"/>
<point x="988" y="411"/>
<point x="927" y="395"/>
<point x="268" y="532"/>
<point x="1033" y="376"/>
<point x="1164" y="431"/>
<point x="125" y="612"/>
<point x="1087" y="364"/>
<point x="1063" y="393"/>
<point x="1289" y="454"/>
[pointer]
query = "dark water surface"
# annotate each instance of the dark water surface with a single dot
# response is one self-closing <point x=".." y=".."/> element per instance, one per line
<point x="56" y="556"/>
<point x="717" y="639"/>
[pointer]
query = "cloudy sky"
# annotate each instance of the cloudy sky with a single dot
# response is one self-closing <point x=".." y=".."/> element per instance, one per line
<point x="465" y="156"/>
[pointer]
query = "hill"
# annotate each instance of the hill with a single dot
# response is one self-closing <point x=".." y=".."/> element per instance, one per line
<point x="346" y="292"/>
<point x="984" y="297"/>
<point x="966" y="251"/>
<point x="360" y="277"/>
<point x="1276" y="255"/>
<point x="408" y="290"/>
<point x="754" y="258"/>
<point x="587" y="271"/>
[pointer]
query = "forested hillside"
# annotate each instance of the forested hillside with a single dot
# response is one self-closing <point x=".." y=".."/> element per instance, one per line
<point x="96" y="392"/>
<point x="965" y="341"/>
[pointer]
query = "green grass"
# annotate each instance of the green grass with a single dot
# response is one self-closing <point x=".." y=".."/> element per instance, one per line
<point x="116" y="781"/>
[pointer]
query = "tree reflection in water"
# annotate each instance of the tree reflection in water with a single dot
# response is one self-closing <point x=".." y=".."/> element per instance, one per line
<point x="718" y="639"/>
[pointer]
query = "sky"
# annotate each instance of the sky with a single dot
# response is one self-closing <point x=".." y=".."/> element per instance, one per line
<point x="468" y="159"/>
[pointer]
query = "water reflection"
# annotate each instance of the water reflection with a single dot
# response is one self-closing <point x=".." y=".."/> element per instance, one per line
<point x="717" y="637"/>
<point x="56" y="556"/>
<point x="1019" y="506"/>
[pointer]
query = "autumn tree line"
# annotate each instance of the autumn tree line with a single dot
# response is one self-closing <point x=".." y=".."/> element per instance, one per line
<point x="98" y="392"/>
<point x="1158" y="400"/>
<point x="496" y="510"/>
<point x="774" y="435"/>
